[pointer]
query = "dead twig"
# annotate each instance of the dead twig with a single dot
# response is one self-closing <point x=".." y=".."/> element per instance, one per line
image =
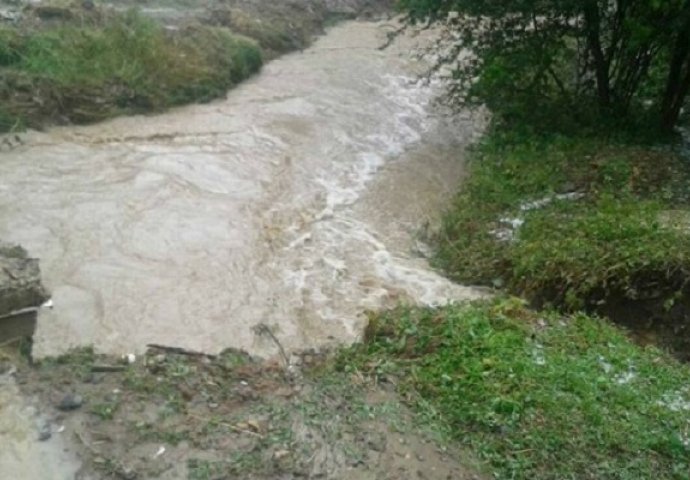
<point x="391" y="36"/>
<point x="232" y="427"/>
<point x="263" y="329"/>
<point x="108" y="368"/>
<point x="180" y="351"/>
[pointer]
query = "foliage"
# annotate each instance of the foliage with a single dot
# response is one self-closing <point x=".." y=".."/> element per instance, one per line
<point x="537" y="396"/>
<point x="10" y="44"/>
<point x="570" y="56"/>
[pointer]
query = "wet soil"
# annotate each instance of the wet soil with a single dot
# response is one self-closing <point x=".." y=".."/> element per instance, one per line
<point x="175" y="416"/>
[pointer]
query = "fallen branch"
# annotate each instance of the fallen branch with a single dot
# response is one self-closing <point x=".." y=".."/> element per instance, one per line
<point x="263" y="329"/>
<point x="232" y="427"/>
<point x="391" y="36"/>
<point x="108" y="368"/>
<point x="180" y="351"/>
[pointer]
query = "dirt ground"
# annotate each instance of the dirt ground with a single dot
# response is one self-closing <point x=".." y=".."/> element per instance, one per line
<point x="174" y="415"/>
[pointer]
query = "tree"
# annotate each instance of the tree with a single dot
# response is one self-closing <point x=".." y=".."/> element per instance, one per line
<point x="613" y="54"/>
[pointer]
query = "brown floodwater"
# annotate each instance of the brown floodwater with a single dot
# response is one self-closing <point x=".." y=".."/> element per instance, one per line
<point x="292" y="203"/>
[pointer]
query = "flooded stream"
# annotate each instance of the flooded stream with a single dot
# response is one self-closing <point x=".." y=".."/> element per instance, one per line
<point x="293" y="204"/>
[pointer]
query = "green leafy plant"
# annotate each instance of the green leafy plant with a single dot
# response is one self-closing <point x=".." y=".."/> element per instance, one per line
<point x="567" y="56"/>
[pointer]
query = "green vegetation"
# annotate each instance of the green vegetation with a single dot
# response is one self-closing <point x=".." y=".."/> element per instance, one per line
<point x="574" y="203"/>
<point x="570" y="196"/>
<point x="593" y="225"/>
<point x="536" y="395"/>
<point x="126" y="64"/>
<point x="593" y="59"/>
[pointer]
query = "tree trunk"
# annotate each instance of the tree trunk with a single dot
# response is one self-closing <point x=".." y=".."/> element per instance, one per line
<point x="601" y="65"/>
<point x="678" y="81"/>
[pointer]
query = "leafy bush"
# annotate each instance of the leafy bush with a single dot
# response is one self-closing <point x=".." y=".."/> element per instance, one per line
<point x="594" y="59"/>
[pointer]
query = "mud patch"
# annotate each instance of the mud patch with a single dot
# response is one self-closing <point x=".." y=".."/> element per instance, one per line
<point x="30" y="449"/>
<point x="174" y="415"/>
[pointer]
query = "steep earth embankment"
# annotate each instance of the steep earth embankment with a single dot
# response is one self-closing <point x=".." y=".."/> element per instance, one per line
<point x="66" y="62"/>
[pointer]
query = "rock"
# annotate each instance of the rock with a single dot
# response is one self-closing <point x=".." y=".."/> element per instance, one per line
<point x="280" y="454"/>
<point x="21" y="292"/>
<point x="70" y="402"/>
<point x="20" y="280"/>
<point x="566" y="187"/>
<point x="44" y="431"/>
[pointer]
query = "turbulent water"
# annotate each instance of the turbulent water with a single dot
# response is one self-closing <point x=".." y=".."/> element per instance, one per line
<point x="293" y="203"/>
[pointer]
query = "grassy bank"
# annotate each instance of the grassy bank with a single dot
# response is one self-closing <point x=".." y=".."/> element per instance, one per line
<point x="536" y="395"/>
<point x="121" y="64"/>
<point x="587" y="224"/>
<point x="575" y="223"/>
<point x="537" y="388"/>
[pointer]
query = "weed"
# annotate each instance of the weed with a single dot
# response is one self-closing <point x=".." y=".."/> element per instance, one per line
<point x="205" y="470"/>
<point x="106" y="410"/>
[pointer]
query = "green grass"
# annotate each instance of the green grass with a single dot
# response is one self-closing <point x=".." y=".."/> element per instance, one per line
<point x="574" y="253"/>
<point x="127" y="64"/>
<point x="537" y="395"/>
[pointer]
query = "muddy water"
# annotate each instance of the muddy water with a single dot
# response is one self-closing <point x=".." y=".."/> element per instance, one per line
<point x="22" y="455"/>
<point x="293" y="203"/>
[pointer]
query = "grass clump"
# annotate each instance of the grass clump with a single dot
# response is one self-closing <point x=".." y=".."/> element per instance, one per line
<point x="581" y="256"/>
<point x="275" y="37"/>
<point x="537" y="396"/>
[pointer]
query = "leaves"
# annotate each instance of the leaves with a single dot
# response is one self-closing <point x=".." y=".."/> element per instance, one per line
<point x="588" y="59"/>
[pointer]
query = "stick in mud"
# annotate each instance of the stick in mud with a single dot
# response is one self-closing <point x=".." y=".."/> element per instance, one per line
<point x="263" y="329"/>
<point x="180" y="351"/>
